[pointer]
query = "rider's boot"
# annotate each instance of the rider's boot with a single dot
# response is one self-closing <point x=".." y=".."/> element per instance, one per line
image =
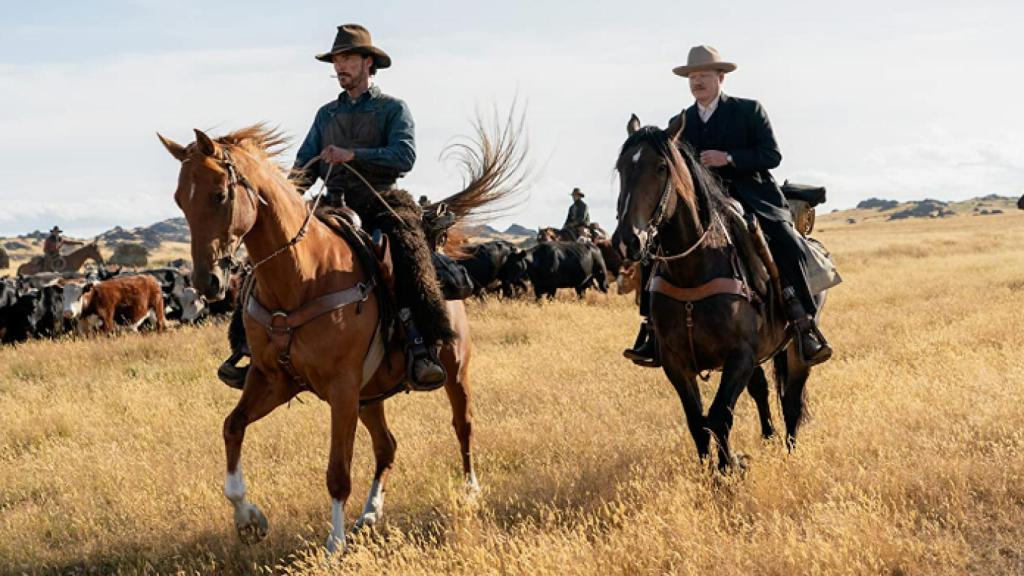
<point x="425" y="372"/>
<point x="811" y="343"/>
<point x="231" y="373"/>
<point x="645" y="350"/>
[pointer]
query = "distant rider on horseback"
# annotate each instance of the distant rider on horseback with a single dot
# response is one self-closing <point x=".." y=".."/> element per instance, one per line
<point x="734" y="139"/>
<point x="577" y="222"/>
<point x="52" y="247"/>
<point x="372" y="132"/>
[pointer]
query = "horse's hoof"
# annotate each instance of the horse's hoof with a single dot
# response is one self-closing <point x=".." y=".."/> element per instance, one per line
<point x="366" y="521"/>
<point x="335" y="545"/>
<point x="252" y="526"/>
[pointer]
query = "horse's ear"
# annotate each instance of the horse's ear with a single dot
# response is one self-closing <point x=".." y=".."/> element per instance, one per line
<point x="676" y="126"/>
<point x="633" y="125"/>
<point x="176" y="150"/>
<point x="205" y="143"/>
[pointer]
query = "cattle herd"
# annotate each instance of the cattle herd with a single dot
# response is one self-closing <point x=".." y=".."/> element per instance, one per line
<point x="502" y="267"/>
<point x="51" y="305"/>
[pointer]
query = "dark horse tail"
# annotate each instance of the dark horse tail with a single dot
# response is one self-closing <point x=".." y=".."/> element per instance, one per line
<point x="494" y="159"/>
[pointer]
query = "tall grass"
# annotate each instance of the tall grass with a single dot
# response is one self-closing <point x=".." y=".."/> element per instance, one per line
<point x="111" y="458"/>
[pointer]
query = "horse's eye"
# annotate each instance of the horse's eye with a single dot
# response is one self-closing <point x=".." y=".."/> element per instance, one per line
<point x="662" y="168"/>
<point x="220" y="196"/>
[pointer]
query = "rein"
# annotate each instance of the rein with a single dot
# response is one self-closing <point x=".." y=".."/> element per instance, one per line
<point x="658" y="218"/>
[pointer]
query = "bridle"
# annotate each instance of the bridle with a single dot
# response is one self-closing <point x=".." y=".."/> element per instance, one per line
<point x="235" y="179"/>
<point x="657" y="219"/>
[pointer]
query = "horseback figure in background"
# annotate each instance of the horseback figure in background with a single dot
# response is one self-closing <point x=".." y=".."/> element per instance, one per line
<point x="52" y="259"/>
<point x="577" y="221"/>
<point x="734" y="140"/>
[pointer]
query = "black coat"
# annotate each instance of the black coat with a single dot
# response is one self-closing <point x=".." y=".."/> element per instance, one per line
<point x="741" y="128"/>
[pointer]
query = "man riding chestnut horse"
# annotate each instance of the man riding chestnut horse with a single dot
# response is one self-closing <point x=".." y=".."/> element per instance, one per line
<point x="734" y="139"/>
<point x="373" y="133"/>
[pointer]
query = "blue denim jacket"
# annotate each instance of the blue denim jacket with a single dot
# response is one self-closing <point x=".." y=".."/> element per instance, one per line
<point x="394" y="122"/>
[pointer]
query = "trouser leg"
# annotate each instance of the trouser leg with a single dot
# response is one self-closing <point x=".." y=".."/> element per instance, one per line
<point x="790" y="259"/>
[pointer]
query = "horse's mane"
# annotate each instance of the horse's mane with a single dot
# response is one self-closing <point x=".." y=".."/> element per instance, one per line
<point x="707" y="189"/>
<point x="267" y="141"/>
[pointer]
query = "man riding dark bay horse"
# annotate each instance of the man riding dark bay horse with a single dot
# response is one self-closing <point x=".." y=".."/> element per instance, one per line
<point x="577" y="221"/>
<point x="712" y="305"/>
<point x="734" y="139"/>
<point x="372" y="133"/>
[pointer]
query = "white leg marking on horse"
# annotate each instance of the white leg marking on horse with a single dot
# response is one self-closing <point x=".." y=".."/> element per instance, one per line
<point x="471" y="482"/>
<point x="374" y="507"/>
<point x="636" y="157"/>
<point x="234" y="486"/>
<point x="336" y="540"/>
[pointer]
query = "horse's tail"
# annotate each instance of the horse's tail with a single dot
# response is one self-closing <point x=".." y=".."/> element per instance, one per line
<point x="494" y="160"/>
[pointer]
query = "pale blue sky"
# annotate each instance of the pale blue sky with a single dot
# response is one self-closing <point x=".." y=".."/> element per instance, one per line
<point x="895" y="99"/>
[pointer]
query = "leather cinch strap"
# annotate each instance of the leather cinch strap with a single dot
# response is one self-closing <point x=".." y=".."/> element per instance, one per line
<point x="280" y="324"/>
<point x="688" y="296"/>
<point x="281" y="320"/>
<point x="711" y="288"/>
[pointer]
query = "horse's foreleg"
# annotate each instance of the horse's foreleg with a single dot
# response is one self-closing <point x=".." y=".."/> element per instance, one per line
<point x="459" y="395"/>
<point x="344" y="401"/>
<point x="259" y="397"/>
<point x="689" y="395"/>
<point x="384" y="446"/>
<point x="758" y="389"/>
<point x="735" y="374"/>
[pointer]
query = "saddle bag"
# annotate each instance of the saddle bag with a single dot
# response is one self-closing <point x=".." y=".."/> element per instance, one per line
<point x="456" y="284"/>
<point x="821" y="269"/>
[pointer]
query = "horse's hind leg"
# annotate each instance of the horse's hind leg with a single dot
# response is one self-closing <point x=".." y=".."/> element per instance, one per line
<point x="384" y="446"/>
<point x="460" y="396"/>
<point x="791" y="378"/>
<point x="259" y="397"/>
<point x="735" y="374"/>
<point x="758" y="389"/>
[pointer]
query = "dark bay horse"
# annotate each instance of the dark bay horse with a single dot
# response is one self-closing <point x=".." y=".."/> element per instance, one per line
<point x="232" y="192"/>
<point x="72" y="261"/>
<point x="703" y="309"/>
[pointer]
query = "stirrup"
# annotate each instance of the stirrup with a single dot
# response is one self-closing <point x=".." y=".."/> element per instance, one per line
<point x="231" y="374"/>
<point x="412" y="357"/>
<point x="824" y="353"/>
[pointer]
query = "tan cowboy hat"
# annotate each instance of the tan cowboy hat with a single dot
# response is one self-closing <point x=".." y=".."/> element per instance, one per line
<point x="577" y="192"/>
<point x="356" y="38"/>
<point x="703" y="58"/>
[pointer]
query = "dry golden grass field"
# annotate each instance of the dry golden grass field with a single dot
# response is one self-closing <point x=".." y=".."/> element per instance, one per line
<point x="111" y="458"/>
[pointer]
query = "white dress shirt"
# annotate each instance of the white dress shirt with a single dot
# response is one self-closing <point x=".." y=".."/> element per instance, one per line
<point x="706" y="111"/>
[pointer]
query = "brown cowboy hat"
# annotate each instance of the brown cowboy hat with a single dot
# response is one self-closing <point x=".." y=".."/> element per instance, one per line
<point x="703" y="58"/>
<point x="356" y="38"/>
<point x="577" y="192"/>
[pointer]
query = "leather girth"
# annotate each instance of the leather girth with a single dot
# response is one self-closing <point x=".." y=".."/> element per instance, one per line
<point x="280" y="324"/>
<point x="713" y="287"/>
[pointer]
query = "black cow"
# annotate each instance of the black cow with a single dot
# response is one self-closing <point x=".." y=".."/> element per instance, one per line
<point x="18" y="320"/>
<point x="487" y="265"/>
<point x="51" y="322"/>
<point x="554" y="265"/>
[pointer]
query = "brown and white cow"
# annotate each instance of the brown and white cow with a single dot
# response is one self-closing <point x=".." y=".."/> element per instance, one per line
<point x="132" y="298"/>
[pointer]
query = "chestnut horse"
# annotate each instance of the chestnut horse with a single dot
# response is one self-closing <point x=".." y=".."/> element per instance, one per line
<point x="232" y="192"/>
<point x="704" y="317"/>
<point x="72" y="262"/>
